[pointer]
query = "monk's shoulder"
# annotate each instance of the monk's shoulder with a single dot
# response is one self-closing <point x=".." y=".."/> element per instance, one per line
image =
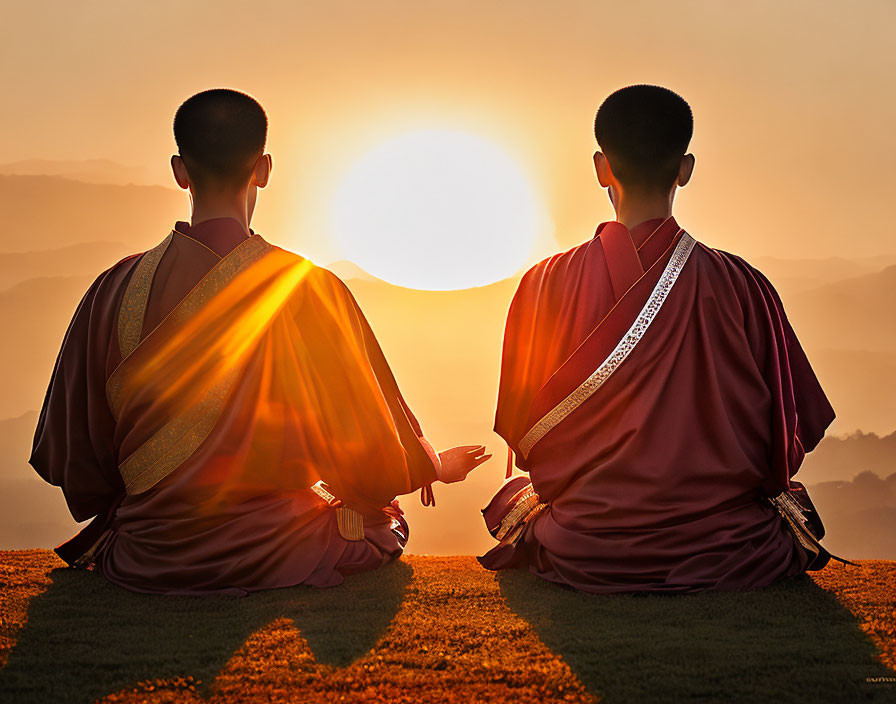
<point x="283" y="255"/>
<point x="313" y="279"/>
<point x="113" y="280"/>
<point x="555" y="268"/>
<point x="736" y="265"/>
<point x="730" y="272"/>
<point x="560" y="261"/>
<point x="547" y="282"/>
<point x="720" y="268"/>
<point x="326" y="282"/>
<point x="121" y="269"/>
<point x="98" y="305"/>
<point x="320" y="289"/>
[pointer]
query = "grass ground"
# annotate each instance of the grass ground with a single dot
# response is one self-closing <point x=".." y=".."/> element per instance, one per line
<point x="441" y="629"/>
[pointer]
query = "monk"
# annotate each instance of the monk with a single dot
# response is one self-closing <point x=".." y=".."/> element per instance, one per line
<point x="220" y="407"/>
<point x="655" y="393"/>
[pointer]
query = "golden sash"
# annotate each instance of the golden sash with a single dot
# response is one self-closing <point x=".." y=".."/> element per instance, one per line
<point x="180" y="436"/>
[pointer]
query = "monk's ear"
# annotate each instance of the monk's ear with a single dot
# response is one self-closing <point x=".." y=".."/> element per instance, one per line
<point x="685" y="169"/>
<point x="602" y="169"/>
<point x="262" y="172"/>
<point x="180" y="172"/>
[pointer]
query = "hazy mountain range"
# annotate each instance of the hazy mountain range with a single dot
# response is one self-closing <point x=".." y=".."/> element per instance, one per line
<point x="33" y="513"/>
<point x="87" y="259"/>
<point x="799" y="275"/>
<point x="49" y="212"/>
<point x="88" y="171"/>
<point x="859" y="516"/>
<point x="443" y="346"/>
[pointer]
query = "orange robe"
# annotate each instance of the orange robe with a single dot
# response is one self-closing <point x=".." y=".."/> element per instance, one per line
<point x="203" y="389"/>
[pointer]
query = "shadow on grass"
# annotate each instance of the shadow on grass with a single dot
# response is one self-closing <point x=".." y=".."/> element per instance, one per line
<point x="86" y="638"/>
<point x="792" y="642"/>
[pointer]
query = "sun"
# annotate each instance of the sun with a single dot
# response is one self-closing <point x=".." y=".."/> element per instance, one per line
<point x="437" y="210"/>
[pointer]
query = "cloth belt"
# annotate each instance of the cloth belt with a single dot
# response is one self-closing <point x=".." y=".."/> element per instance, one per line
<point x="349" y="522"/>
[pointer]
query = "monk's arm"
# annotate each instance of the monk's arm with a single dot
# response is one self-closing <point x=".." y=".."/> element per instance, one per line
<point x="515" y="388"/>
<point x="73" y="443"/>
<point x="423" y="461"/>
<point x="800" y="410"/>
<point x="378" y="449"/>
<point x="814" y="412"/>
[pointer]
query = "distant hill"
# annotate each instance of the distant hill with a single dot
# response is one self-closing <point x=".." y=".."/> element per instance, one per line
<point x="848" y="329"/>
<point x="797" y="275"/>
<point x="50" y="212"/>
<point x="15" y="441"/>
<point x="31" y="511"/>
<point x="87" y="170"/>
<point x="859" y="516"/>
<point x="87" y="259"/>
<point x="843" y="458"/>
<point x="860" y="385"/>
<point x="34" y="513"/>
<point x="857" y="313"/>
<point x="34" y="316"/>
<point x="852" y="481"/>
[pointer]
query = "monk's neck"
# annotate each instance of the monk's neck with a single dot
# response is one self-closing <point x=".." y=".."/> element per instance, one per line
<point x="221" y="206"/>
<point x="634" y="209"/>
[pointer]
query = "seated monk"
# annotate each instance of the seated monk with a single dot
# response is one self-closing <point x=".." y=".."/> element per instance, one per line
<point x="221" y="408"/>
<point x="655" y="393"/>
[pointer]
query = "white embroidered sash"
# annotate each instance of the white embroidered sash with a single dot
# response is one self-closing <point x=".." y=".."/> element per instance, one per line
<point x="620" y="353"/>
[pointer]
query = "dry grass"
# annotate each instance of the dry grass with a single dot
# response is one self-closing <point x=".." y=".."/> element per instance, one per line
<point x="869" y="592"/>
<point x="441" y="629"/>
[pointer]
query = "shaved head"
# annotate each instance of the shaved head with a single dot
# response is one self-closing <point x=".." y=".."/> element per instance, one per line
<point x="220" y="134"/>
<point x="644" y="131"/>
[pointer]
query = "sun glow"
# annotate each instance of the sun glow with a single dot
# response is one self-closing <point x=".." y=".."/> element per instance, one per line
<point x="437" y="210"/>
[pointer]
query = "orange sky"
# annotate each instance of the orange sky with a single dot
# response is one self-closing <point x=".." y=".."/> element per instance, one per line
<point x="793" y="101"/>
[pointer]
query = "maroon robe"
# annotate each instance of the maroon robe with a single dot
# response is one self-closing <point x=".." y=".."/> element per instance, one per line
<point x="307" y="395"/>
<point x="656" y="480"/>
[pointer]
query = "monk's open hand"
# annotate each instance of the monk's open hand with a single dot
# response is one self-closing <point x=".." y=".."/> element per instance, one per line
<point x="458" y="462"/>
